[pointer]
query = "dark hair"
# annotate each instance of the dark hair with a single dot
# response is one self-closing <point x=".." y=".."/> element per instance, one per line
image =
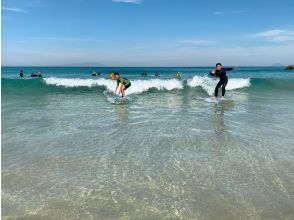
<point x="218" y="64"/>
<point x="116" y="73"/>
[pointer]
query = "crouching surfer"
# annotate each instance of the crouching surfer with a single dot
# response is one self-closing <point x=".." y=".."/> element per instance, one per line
<point x="122" y="84"/>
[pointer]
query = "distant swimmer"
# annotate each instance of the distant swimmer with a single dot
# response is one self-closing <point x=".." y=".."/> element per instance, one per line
<point x="157" y="74"/>
<point x="36" y="74"/>
<point x="223" y="79"/>
<point x="179" y="75"/>
<point x="122" y="84"/>
<point x="21" y="73"/>
<point x="96" y="74"/>
<point x="144" y="74"/>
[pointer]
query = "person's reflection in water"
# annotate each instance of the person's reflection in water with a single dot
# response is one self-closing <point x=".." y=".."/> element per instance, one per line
<point x="122" y="112"/>
<point x="121" y="149"/>
<point x="219" y="122"/>
<point x="219" y="115"/>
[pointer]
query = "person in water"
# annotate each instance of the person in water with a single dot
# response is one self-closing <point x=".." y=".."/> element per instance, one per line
<point x="223" y="79"/>
<point x="96" y="74"/>
<point x="21" y="73"/>
<point x="36" y="74"/>
<point x="122" y="84"/>
<point x="178" y="75"/>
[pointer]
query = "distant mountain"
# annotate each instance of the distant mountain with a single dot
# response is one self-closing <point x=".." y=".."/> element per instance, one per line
<point x="277" y="64"/>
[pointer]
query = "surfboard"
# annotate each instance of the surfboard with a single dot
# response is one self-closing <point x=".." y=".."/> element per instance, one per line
<point x="123" y="99"/>
<point x="216" y="100"/>
<point x="119" y="99"/>
<point x="223" y="102"/>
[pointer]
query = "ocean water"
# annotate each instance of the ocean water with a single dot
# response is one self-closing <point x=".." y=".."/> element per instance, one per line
<point x="69" y="152"/>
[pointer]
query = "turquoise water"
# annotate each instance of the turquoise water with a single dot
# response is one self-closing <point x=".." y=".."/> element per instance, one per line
<point x="68" y="152"/>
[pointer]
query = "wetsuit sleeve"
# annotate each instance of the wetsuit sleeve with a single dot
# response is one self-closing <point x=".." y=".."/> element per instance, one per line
<point x="212" y="75"/>
<point x="227" y="69"/>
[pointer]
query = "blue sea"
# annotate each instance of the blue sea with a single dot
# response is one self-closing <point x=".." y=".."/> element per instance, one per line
<point x="70" y="152"/>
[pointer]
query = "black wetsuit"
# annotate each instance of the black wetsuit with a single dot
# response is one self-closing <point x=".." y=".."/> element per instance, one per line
<point x="223" y="80"/>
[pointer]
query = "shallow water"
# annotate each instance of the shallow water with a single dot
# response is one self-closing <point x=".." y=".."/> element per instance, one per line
<point x="68" y="153"/>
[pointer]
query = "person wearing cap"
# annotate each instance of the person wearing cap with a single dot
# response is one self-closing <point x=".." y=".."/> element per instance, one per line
<point x="223" y="79"/>
<point x="122" y="84"/>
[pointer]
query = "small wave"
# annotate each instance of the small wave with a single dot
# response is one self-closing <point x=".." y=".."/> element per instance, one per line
<point x="71" y="83"/>
<point x="138" y="86"/>
<point x="208" y="84"/>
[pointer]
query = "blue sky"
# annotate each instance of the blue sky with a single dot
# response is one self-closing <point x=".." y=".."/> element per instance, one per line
<point x="147" y="32"/>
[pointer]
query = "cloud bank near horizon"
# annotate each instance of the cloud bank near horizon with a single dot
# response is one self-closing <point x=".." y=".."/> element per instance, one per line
<point x="240" y="56"/>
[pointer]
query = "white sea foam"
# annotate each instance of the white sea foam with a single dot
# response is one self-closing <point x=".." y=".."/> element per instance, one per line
<point x="77" y="82"/>
<point x="208" y="84"/>
<point x="137" y="86"/>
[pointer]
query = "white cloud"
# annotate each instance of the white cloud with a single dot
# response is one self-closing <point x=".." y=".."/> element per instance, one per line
<point x="128" y="1"/>
<point x="196" y="42"/>
<point x="234" y="12"/>
<point x="217" y="13"/>
<point x="13" y="9"/>
<point x="275" y="35"/>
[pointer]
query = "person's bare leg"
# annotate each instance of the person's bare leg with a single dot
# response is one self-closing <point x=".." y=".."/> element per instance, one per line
<point x="123" y="91"/>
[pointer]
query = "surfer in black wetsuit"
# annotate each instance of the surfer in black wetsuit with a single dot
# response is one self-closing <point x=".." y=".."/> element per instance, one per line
<point x="223" y="79"/>
<point x="21" y="73"/>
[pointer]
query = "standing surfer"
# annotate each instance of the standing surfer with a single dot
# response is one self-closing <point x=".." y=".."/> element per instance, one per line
<point x="223" y="79"/>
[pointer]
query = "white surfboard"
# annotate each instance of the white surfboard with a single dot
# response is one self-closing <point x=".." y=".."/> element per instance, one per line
<point x="119" y="99"/>
<point x="216" y="100"/>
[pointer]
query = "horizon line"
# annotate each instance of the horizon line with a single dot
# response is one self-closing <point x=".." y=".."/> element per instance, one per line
<point x="72" y="66"/>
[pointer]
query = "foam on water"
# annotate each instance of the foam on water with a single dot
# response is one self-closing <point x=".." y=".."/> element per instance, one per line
<point x="208" y="84"/>
<point x="77" y="82"/>
<point x="138" y="86"/>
